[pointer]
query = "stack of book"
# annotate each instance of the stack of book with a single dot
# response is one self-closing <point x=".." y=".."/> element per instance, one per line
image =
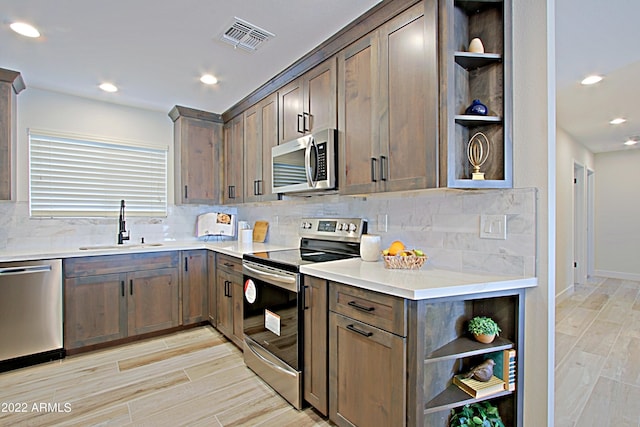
<point x="479" y="389"/>
<point x="503" y="378"/>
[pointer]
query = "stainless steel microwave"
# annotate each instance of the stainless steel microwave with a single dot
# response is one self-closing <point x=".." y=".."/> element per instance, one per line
<point x="305" y="164"/>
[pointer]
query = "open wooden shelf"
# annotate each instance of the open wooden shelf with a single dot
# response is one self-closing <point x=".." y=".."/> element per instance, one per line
<point x="453" y="397"/>
<point x="470" y="120"/>
<point x="472" y="60"/>
<point x="467" y="347"/>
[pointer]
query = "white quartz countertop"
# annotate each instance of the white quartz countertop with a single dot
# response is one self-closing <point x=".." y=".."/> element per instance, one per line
<point x="425" y="283"/>
<point x="232" y="248"/>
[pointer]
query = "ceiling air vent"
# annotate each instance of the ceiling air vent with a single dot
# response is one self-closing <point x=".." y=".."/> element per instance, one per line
<point x="245" y="35"/>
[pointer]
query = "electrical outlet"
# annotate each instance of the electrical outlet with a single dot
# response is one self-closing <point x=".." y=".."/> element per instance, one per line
<point x="493" y="227"/>
<point x="382" y="222"/>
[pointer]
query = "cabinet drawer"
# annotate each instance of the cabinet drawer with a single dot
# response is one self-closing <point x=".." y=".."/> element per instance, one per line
<point x="229" y="263"/>
<point x="383" y="311"/>
<point x="119" y="263"/>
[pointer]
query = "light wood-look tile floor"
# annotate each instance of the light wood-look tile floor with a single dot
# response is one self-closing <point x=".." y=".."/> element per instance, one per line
<point x="191" y="378"/>
<point x="597" y="374"/>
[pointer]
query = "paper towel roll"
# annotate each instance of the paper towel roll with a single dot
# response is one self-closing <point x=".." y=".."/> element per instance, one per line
<point x="245" y="236"/>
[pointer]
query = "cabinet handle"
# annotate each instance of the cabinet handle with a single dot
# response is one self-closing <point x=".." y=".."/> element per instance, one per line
<point x="300" y="130"/>
<point x="122" y="287"/>
<point x="256" y="187"/>
<point x="373" y="169"/>
<point x="186" y="263"/>
<point x="232" y="191"/>
<point x="228" y="264"/>
<point x="131" y="287"/>
<point x="226" y="289"/>
<point x="306" y="122"/>
<point x="360" y="307"/>
<point x="384" y="164"/>
<point x="305" y="298"/>
<point x="358" y="331"/>
<point x="186" y="192"/>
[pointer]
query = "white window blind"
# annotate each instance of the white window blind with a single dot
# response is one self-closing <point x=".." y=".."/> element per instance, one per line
<point x="78" y="177"/>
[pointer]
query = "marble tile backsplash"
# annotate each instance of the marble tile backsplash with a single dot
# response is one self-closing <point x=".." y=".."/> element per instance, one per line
<point x="20" y="233"/>
<point x="445" y="223"/>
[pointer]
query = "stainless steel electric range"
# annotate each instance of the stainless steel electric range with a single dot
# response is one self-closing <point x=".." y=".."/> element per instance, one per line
<point x="274" y="300"/>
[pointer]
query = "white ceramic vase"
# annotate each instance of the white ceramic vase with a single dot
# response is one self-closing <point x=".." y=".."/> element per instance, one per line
<point x="370" y="247"/>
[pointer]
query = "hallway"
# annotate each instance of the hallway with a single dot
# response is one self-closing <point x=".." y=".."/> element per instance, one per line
<point x="597" y="380"/>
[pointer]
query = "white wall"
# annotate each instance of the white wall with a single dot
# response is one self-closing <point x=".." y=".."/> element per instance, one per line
<point x="568" y="152"/>
<point x="534" y="166"/>
<point x="52" y="111"/>
<point x="617" y="214"/>
<point x="45" y="110"/>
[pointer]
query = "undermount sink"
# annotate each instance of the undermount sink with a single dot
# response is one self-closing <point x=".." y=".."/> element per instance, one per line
<point x="103" y="247"/>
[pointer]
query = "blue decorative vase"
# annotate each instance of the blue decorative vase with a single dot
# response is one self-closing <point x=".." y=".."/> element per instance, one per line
<point x="477" y="108"/>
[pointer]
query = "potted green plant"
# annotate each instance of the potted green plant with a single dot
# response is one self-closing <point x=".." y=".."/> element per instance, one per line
<point x="480" y="414"/>
<point x="484" y="329"/>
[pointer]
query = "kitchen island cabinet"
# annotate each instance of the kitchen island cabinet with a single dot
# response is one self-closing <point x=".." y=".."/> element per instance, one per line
<point x="367" y="361"/>
<point x="411" y="325"/>
<point x="117" y="296"/>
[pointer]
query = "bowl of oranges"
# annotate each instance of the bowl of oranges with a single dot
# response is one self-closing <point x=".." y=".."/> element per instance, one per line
<point x="397" y="256"/>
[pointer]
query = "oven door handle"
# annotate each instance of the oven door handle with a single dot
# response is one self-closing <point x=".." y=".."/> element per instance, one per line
<point x="253" y="347"/>
<point x="272" y="276"/>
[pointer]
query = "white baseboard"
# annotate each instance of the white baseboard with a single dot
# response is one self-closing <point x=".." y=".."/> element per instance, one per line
<point x="565" y="294"/>
<point x="617" y="275"/>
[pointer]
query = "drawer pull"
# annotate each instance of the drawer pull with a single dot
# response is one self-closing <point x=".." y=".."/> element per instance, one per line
<point x="228" y="264"/>
<point x="360" y="307"/>
<point x="359" y="331"/>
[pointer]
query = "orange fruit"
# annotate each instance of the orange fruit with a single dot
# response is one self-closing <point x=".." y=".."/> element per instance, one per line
<point x="396" y="248"/>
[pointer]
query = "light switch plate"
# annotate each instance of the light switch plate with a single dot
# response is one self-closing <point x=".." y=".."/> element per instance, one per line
<point x="493" y="227"/>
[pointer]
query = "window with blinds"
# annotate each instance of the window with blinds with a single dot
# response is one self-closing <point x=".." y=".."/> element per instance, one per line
<point x="80" y="177"/>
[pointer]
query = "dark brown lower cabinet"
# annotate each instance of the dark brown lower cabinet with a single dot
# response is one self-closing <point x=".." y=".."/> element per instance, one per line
<point x="95" y="310"/>
<point x="117" y="296"/>
<point x="230" y="298"/>
<point x="316" y="357"/>
<point x="367" y="374"/>
<point x="194" y="283"/>
<point x="152" y="301"/>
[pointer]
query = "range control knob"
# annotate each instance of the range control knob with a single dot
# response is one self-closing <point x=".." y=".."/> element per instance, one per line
<point x="344" y="226"/>
<point x="353" y="227"/>
<point x="306" y="225"/>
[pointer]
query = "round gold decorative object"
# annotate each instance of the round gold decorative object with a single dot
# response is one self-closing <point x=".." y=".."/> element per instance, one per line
<point x="476" y="46"/>
<point x="478" y="153"/>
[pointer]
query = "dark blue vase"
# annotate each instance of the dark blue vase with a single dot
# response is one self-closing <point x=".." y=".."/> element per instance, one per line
<point x="477" y="108"/>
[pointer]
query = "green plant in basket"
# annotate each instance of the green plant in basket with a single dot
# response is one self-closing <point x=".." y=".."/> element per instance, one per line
<point x="480" y="414"/>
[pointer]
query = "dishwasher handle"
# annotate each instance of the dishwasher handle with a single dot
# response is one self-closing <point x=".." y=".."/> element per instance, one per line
<point x="28" y="269"/>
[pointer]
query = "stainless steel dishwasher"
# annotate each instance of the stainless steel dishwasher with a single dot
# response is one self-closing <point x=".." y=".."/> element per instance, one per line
<point x="30" y="312"/>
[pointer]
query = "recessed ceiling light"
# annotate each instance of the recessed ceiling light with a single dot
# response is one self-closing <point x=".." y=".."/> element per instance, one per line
<point x="25" y="29"/>
<point x="631" y="141"/>
<point x="590" y="80"/>
<point x="617" y="121"/>
<point x="108" y="87"/>
<point x="208" y="79"/>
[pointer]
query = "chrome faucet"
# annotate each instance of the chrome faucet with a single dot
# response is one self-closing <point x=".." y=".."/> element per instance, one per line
<point x="122" y="226"/>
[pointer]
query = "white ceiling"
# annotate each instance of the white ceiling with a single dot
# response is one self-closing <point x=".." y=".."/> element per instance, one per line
<point x="155" y="52"/>
<point x="598" y="37"/>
